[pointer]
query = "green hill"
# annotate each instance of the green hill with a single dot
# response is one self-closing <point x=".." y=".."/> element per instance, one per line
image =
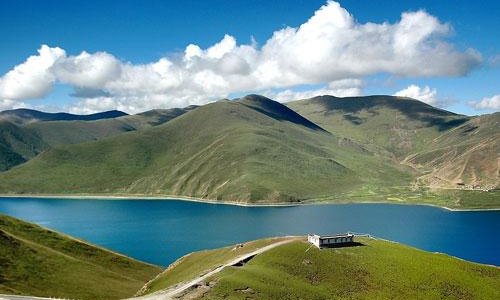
<point x="449" y="150"/>
<point x="255" y="150"/>
<point x="40" y="262"/>
<point x="394" y="125"/>
<point x="37" y="131"/>
<point x="252" y="149"/>
<point x="56" y="133"/>
<point x="17" y="145"/>
<point x="375" y="269"/>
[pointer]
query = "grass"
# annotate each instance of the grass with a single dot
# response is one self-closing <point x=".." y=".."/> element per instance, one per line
<point x="40" y="262"/>
<point x="376" y="270"/>
<point x="196" y="263"/>
<point x="449" y="198"/>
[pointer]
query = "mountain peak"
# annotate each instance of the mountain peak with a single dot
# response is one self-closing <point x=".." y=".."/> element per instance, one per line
<point x="276" y="110"/>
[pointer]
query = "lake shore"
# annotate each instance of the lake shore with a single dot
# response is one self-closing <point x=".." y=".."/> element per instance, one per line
<point x="235" y="203"/>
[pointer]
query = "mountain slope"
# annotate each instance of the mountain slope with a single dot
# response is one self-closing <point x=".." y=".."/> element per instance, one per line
<point x="395" y="125"/>
<point x="40" y="262"/>
<point x="467" y="156"/>
<point x="56" y="133"/>
<point x="23" y="116"/>
<point x="20" y="143"/>
<point x="449" y="150"/>
<point x="17" y="145"/>
<point x="247" y="150"/>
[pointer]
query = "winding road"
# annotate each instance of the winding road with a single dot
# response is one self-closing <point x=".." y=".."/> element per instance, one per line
<point x="169" y="294"/>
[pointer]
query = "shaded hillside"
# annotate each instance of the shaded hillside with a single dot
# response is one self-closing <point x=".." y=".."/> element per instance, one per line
<point x="40" y="262"/>
<point x="17" y="145"/>
<point x="23" y="116"/>
<point x="395" y="125"/>
<point x="467" y="156"/>
<point x="373" y="269"/>
<point x="20" y="143"/>
<point x="246" y="150"/>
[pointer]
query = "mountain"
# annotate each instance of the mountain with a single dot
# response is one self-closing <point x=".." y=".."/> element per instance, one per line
<point x="447" y="149"/>
<point x="23" y="141"/>
<point x="465" y="156"/>
<point x="256" y="150"/>
<point x="17" y="145"/>
<point x="23" y="116"/>
<point x="40" y="262"/>
<point x="56" y="133"/>
<point x="251" y="149"/>
<point x="369" y="269"/>
<point x="394" y="125"/>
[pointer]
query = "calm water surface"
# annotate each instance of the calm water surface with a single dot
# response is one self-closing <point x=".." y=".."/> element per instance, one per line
<point x="159" y="232"/>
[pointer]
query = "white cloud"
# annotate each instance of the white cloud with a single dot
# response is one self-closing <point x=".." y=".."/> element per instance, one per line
<point x="87" y="70"/>
<point x="33" y="78"/>
<point x="424" y="94"/>
<point x="349" y="87"/>
<point x="329" y="47"/>
<point x="6" y="104"/>
<point x="492" y="103"/>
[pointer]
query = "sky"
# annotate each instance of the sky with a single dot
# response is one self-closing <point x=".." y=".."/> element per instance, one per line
<point x="90" y="56"/>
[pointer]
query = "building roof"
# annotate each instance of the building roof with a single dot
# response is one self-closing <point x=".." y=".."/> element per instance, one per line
<point x="339" y="235"/>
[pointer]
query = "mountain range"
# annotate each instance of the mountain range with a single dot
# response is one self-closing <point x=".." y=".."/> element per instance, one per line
<point x="256" y="150"/>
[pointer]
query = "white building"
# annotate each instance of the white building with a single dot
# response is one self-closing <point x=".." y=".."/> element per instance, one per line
<point x="330" y="240"/>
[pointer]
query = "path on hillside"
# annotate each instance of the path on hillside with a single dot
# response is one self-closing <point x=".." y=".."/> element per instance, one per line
<point x="170" y="293"/>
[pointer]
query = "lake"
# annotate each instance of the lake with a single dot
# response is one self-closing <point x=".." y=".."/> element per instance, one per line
<point x="160" y="231"/>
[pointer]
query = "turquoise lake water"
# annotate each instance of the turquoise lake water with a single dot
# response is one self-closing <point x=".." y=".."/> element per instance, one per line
<point x="159" y="232"/>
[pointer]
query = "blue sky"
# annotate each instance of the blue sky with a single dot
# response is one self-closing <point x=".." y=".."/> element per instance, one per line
<point x="131" y="36"/>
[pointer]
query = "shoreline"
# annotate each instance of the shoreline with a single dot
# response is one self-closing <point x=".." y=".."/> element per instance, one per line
<point x="213" y="201"/>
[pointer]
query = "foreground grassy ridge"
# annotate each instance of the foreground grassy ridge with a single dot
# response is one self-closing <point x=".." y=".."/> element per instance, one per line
<point x="376" y="270"/>
<point x="196" y="263"/>
<point x="40" y="262"/>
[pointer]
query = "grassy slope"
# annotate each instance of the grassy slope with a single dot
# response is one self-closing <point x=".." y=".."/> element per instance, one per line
<point x="394" y="125"/>
<point x="248" y="150"/>
<point x="40" y="262"/>
<point x="41" y="131"/>
<point x="17" y="145"/>
<point x="377" y="270"/>
<point x="443" y="147"/>
<point x="192" y="265"/>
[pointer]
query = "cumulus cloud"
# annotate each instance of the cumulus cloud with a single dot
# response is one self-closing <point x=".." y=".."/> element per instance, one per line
<point x="491" y="103"/>
<point x="12" y="104"/>
<point x="331" y="46"/>
<point x="340" y="88"/>
<point x="424" y="94"/>
<point x="33" y="78"/>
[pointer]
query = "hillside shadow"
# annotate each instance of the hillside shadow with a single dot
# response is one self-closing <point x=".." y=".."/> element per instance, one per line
<point x="277" y="111"/>
<point x="412" y="109"/>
